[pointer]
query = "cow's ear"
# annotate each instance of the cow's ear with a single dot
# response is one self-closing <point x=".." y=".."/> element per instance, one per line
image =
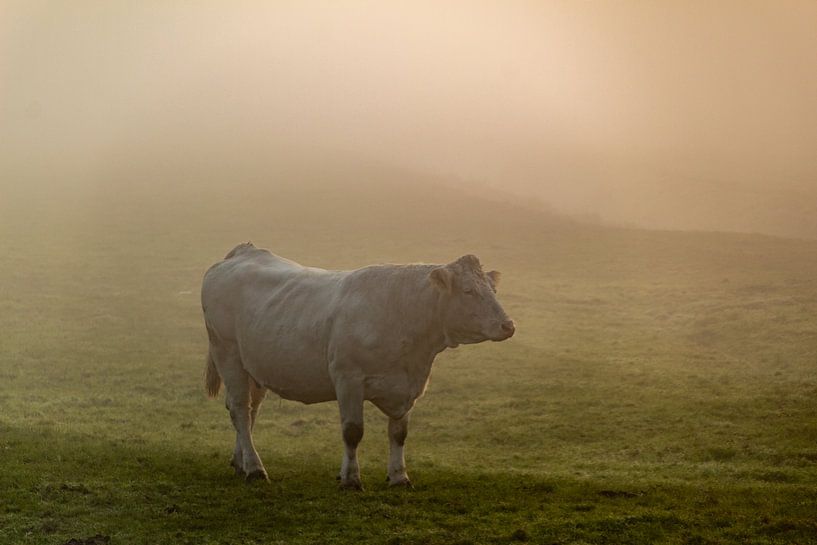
<point x="442" y="278"/>
<point x="494" y="277"/>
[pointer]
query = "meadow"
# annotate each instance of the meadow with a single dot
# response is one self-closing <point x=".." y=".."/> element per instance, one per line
<point x="661" y="387"/>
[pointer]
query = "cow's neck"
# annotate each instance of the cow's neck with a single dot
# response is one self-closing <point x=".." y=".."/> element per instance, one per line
<point x="431" y="335"/>
<point x="425" y="340"/>
<point x="419" y="317"/>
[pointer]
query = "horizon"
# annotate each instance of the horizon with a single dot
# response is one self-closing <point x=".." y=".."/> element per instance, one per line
<point x="687" y="117"/>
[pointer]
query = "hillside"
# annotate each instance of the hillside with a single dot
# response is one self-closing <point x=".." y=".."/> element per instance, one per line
<point x="660" y="387"/>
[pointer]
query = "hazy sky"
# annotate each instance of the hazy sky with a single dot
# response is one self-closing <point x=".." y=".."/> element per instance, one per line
<point x="679" y="114"/>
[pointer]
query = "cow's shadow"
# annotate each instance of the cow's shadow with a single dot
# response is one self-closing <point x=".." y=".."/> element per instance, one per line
<point x="69" y="485"/>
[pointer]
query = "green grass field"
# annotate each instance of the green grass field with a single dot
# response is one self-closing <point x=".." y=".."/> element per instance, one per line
<point x="661" y="388"/>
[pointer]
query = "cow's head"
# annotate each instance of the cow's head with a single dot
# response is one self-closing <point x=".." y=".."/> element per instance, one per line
<point x="470" y="311"/>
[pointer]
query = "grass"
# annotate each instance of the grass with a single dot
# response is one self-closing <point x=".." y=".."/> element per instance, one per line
<point x="661" y="388"/>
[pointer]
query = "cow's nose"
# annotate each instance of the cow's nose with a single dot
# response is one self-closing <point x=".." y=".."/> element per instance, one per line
<point x="508" y="327"/>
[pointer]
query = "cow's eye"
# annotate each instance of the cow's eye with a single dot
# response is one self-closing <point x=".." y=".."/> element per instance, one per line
<point x="468" y="291"/>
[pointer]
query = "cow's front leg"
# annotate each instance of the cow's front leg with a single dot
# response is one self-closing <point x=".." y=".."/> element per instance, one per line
<point x="350" y="401"/>
<point x="398" y="430"/>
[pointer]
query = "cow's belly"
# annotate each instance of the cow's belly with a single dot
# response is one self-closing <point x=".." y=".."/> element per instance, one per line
<point x="298" y="375"/>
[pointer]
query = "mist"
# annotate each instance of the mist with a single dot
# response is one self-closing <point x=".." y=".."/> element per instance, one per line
<point x="691" y="116"/>
<point x="633" y="183"/>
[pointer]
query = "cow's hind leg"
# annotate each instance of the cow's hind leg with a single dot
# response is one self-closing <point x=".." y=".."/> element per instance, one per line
<point x="257" y="395"/>
<point x="237" y="384"/>
<point x="237" y="460"/>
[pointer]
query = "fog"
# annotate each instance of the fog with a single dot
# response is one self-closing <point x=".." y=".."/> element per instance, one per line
<point x="685" y="115"/>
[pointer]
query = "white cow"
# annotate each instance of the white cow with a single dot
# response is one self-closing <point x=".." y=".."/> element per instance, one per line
<point x="314" y="335"/>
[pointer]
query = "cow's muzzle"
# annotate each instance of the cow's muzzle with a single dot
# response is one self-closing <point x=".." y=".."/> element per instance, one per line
<point x="507" y="328"/>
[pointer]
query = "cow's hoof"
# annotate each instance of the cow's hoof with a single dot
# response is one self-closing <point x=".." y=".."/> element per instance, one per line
<point x="351" y="485"/>
<point x="257" y="475"/>
<point x="236" y="466"/>
<point x="402" y="482"/>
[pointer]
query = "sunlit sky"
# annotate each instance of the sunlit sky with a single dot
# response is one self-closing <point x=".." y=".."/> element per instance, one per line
<point x="663" y="114"/>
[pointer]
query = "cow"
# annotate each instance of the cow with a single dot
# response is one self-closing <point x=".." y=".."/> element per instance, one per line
<point x="314" y="335"/>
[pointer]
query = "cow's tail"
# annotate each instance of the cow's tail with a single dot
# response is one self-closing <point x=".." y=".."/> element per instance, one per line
<point x="212" y="378"/>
